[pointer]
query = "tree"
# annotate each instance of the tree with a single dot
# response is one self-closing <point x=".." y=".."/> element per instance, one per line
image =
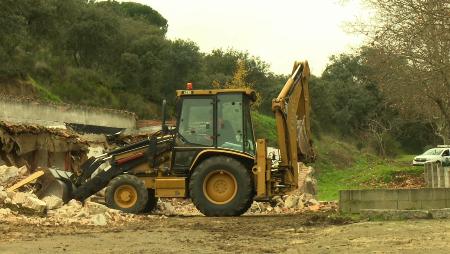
<point x="239" y="81"/>
<point x="344" y="98"/>
<point x="95" y="38"/>
<point x="410" y="49"/>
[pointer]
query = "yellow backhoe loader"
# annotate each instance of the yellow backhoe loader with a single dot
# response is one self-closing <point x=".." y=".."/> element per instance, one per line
<point x="210" y="156"/>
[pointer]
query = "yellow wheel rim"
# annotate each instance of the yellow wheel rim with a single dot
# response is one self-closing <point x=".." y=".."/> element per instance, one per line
<point x="220" y="187"/>
<point x="125" y="196"/>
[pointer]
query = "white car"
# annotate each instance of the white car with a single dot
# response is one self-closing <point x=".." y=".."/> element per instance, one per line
<point x="439" y="154"/>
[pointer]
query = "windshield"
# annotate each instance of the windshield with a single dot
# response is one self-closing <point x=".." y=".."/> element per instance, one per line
<point x="434" y="151"/>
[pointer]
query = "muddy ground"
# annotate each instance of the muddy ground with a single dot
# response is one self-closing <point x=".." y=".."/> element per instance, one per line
<point x="303" y="233"/>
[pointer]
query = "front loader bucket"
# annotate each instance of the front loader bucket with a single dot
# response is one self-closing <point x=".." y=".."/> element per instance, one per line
<point x="56" y="183"/>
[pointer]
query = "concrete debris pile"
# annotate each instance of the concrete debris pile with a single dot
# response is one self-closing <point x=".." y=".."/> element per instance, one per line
<point x="288" y="204"/>
<point x="18" y="206"/>
<point x="291" y="204"/>
<point x="50" y="210"/>
<point x="10" y="175"/>
<point x="175" y="206"/>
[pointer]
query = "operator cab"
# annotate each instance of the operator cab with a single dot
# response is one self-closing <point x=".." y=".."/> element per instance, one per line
<point x="212" y="119"/>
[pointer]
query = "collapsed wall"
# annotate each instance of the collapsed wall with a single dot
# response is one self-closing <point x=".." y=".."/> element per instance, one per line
<point x="37" y="146"/>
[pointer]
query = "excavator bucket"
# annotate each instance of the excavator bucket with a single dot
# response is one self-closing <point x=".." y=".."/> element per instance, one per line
<point x="56" y="183"/>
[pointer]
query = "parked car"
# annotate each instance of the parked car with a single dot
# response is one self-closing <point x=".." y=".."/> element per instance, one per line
<point x="440" y="154"/>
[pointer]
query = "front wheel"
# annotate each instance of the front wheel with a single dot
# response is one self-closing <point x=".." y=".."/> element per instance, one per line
<point x="127" y="193"/>
<point x="221" y="186"/>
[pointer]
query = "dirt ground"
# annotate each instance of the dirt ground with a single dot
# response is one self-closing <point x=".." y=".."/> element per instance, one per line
<point x="304" y="233"/>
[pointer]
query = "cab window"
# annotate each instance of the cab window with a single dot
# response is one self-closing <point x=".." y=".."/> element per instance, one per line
<point x="196" y="121"/>
<point x="249" y="142"/>
<point x="229" y="122"/>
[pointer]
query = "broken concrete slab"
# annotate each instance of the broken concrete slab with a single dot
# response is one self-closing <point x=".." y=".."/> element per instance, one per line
<point x="10" y="174"/>
<point x="53" y="202"/>
<point x="28" y="203"/>
<point x="166" y="208"/>
<point x="99" y="220"/>
<point x="291" y="201"/>
<point x="5" y="212"/>
<point x="94" y="208"/>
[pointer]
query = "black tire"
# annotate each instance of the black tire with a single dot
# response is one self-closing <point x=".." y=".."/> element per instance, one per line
<point x="152" y="201"/>
<point x="130" y="182"/>
<point x="238" y="203"/>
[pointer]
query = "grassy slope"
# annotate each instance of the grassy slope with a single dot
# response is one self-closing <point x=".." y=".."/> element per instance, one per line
<point x="265" y="128"/>
<point x="340" y="165"/>
<point x="45" y="94"/>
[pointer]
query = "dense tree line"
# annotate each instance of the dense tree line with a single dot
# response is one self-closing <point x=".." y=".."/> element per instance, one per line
<point x="116" y="55"/>
<point x="348" y="101"/>
<point x="110" y="54"/>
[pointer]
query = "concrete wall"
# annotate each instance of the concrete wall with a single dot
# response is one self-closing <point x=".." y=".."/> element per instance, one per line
<point x="56" y="115"/>
<point x="436" y="175"/>
<point x="352" y="201"/>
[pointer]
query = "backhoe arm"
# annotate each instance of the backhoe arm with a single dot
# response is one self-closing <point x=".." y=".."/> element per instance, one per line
<point x="292" y="115"/>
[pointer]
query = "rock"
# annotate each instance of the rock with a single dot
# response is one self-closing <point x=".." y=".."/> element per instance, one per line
<point x="167" y="208"/>
<point x="75" y="204"/>
<point x="255" y="207"/>
<point x="71" y="209"/>
<point x="5" y="212"/>
<point x="7" y="200"/>
<point x="305" y="197"/>
<point x="314" y="208"/>
<point x="278" y="209"/>
<point x="263" y="206"/>
<point x="277" y="199"/>
<point x="300" y="204"/>
<point x="95" y="208"/>
<point x="3" y="196"/>
<point x="99" y="220"/>
<point x="313" y="202"/>
<point x="29" y="202"/>
<point x="83" y="214"/>
<point x="291" y="201"/>
<point x="8" y="174"/>
<point x="53" y="202"/>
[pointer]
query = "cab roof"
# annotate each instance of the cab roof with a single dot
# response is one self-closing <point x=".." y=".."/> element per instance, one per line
<point x="249" y="92"/>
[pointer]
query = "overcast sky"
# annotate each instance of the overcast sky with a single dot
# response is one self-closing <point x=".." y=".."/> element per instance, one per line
<point x="279" y="32"/>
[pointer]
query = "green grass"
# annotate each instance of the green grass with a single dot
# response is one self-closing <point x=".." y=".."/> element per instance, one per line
<point x="341" y="166"/>
<point x="265" y="127"/>
<point x="44" y="92"/>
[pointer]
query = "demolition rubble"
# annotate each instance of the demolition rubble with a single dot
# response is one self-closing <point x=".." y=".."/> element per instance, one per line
<point x="24" y="206"/>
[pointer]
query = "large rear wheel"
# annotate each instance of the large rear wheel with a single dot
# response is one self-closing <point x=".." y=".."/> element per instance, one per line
<point x="221" y="186"/>
<point x="127" y="193"/>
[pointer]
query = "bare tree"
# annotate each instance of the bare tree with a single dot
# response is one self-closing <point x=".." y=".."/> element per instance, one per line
<point x="378" y="129"/>
<point x="410" y="53"/>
